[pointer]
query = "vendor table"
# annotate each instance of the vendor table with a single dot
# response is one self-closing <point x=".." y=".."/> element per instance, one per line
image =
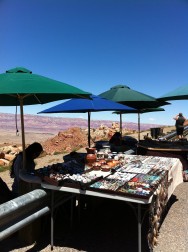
<point x="173" y="168"/>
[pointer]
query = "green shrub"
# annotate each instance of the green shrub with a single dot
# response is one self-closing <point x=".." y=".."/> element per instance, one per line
<point x="57" y="152"/>
<point x="4" y="168"/>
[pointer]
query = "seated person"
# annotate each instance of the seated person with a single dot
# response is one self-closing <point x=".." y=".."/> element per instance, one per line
<point x="32" y="151"/>
<point x="117" y="144"/>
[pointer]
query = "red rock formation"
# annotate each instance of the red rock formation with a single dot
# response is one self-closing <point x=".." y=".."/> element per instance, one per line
<point x="66" y="141"/>
<point x="76" y="138"/>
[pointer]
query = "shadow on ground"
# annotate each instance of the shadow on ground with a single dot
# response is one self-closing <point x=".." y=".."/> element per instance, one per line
<point x="104" y="226"/>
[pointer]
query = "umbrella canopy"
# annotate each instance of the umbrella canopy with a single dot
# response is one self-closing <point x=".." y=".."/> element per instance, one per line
<point x="19" y="86"/>
<point x="127" y="96"/>
<point x="95" y="104"/>
<point x="21" y="83"/>
<point x="180" y="93"/>
<point x="138" y="111"/>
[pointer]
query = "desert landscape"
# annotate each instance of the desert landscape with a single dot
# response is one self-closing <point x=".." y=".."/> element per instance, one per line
<point x="57" y="145"/>
<point x="49" y="124"/>
<point x="72" y="241"/>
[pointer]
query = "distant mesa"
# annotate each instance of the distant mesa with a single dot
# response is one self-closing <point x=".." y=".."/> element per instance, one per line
<point x="47" y="124"/>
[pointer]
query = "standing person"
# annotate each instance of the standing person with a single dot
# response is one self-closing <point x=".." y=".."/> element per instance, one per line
<point x="32" y="151"/>
<point x="180" y="119"/>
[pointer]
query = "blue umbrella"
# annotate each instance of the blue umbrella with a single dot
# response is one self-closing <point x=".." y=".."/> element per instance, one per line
<point x="95" y="104"/>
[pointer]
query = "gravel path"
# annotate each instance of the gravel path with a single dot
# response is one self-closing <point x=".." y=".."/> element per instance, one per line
<point x="174" y="230"/>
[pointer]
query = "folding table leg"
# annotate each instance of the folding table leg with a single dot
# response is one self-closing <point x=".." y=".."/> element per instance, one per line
<point x="139" y="229"/>
<point x="52" y="219"/>
<point x="72" y="208"/>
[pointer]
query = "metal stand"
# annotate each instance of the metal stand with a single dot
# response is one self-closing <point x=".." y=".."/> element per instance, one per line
<point x="54" y="205"/>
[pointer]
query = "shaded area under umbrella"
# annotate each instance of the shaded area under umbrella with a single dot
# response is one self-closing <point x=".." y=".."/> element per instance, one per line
<point x="130" y="97"/>
<point x="139" y="111"/>
<point x="19" y="86"/>
<point x="95" y="104"/>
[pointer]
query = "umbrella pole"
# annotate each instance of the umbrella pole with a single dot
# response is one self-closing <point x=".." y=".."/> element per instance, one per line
<point x="23" y="134"/>
<point x="138" y="126"/>
<point x="120" y="129"/>
<point x="89" y="137"/>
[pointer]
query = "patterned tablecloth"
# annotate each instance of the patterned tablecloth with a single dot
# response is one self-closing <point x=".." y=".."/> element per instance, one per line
<point x="135" y="176"/>
<point x="137" y="179"/>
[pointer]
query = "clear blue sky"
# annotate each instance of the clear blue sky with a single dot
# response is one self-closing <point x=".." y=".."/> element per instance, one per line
<point x="96" y="44"/>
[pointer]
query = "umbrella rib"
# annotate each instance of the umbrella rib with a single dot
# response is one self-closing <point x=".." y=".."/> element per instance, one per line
<point x="24" y="96"/>
<point x="13" y="95"/>
<point x="27" y="95"/>
<point x="38" y="99"/>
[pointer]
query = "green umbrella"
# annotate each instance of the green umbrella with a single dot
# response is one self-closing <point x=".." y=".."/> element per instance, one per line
<point x="127" y="96"/>
<point x="180" y="93"/>
<point x="20" y="87"/>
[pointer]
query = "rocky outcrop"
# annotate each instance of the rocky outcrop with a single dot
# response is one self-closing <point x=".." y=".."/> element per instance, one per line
<point x="66" y="141"/>
<point x="8" y="153"/>
<point x="77" y="138"/>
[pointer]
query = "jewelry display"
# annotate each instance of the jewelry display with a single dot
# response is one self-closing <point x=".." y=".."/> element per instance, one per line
<point x="134" y="176"/>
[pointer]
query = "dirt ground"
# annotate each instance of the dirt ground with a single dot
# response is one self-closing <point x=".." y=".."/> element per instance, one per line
<point x="11" y="137"/>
